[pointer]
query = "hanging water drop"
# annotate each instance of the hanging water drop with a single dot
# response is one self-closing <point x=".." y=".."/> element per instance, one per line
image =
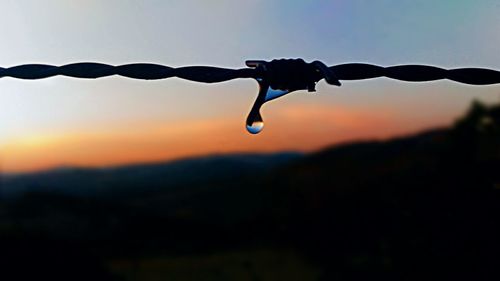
<point x="255" y="123"/>
<point x="256" y="127"/>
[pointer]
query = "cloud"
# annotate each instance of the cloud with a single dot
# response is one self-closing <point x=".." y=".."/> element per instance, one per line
<point x="290" y="127"/>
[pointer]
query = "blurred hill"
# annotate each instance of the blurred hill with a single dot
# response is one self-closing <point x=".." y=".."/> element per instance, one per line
<point x="404" y="209"/>
<point x="90" y="182"/>
<point x="414" y="208"/>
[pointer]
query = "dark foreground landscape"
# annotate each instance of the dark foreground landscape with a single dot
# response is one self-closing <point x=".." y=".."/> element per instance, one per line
<point x="423" y="207"/>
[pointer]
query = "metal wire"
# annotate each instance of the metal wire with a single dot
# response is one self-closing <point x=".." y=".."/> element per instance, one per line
<point x="144" y="71"/>
<point x="208" y="74"/>
<point x="416" y="73"/>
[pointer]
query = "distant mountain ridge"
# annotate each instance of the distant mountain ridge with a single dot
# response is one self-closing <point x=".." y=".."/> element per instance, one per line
<point x="99" y="181"/>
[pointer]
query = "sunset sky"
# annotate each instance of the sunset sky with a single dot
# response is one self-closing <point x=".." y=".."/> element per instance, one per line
<point x="63" y="121"/>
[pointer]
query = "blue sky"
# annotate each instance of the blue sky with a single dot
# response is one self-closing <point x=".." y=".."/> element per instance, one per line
<point x="225" y="33"/>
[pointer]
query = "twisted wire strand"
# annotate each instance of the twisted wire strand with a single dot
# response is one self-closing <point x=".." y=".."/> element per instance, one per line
<point x="144" y="71"/>
<point x="416" y="73"/>
<point x="208" y="74"/>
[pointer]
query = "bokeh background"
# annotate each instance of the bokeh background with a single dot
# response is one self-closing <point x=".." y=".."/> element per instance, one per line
<point x="121" y="179"/>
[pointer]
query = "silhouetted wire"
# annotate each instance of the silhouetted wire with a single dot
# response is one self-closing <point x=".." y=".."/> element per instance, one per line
<point x="416" y="73"/>
<point x="208" y="74"/>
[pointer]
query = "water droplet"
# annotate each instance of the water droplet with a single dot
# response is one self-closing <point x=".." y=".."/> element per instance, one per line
<point x="256" y="127"/>
<point x="255" y="124"/>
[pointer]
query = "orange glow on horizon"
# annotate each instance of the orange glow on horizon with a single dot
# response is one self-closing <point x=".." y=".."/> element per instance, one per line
<point x="289" y="128"/>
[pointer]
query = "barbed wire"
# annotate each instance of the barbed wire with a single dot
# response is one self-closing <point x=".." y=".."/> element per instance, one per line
<point x="209" y="74"/>
<point x="284" y="75"/>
